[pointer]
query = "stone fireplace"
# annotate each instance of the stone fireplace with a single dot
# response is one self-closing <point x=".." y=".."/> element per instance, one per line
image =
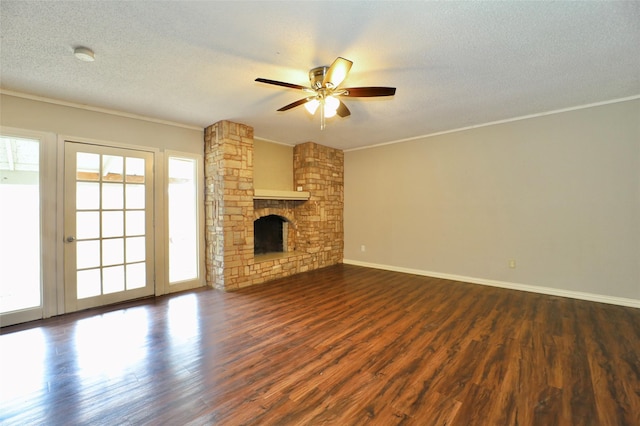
<point x="312" y="229"/>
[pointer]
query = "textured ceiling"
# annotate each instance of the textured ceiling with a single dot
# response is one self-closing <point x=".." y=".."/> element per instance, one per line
<point x="455" y="64"/>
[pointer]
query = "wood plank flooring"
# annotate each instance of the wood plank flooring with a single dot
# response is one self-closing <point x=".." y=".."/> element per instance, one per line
<point x="344" y="345"/>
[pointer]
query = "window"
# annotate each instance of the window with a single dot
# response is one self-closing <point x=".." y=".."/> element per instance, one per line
<point x="19" y="224"/>
<point x="184" y="203"/>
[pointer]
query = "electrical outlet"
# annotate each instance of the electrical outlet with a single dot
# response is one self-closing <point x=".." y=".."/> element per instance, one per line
<point x="363" y="248"/>
<point x="512" y="264"/>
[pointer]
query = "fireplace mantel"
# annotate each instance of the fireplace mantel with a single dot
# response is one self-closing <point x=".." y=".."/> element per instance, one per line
<point x="276" y="194"/>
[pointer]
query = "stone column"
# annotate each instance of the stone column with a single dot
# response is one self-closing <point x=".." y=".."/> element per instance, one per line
<point x="228" y="204"/>
<point x="320" y="170"/>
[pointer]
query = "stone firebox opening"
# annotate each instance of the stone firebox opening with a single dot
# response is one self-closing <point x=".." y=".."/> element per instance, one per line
<point x="269" y="234"/>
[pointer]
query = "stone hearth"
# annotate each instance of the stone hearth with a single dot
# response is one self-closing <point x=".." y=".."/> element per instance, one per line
<point x="315" y="227"/>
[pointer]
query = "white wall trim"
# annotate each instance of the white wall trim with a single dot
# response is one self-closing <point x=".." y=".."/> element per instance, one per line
<point x="492" y="123"/>
<point x="98" y="109"/>
<point x="621" y="301"/>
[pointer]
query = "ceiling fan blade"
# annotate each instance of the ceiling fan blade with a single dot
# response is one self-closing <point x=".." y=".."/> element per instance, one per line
<point x="281" y="83"/>
<point x="342" y="110"/>
<point x="337" y="72"/>
<point x="296" y="103"/>
<point x="368" y="92"/>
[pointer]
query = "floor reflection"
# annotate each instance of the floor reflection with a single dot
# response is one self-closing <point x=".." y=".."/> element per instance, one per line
<point x="183" y="319"/>
<point x="109" y="345"/>
<point x="22" y="365"/>
<point x="77" y="371"/>
<point x="183" y="334"/>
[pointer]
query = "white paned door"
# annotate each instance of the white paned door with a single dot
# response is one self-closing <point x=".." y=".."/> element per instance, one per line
<point x="108" y="224"/>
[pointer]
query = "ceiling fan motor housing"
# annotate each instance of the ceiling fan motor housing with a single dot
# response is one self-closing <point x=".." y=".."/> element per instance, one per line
<point x="316" y="76"/>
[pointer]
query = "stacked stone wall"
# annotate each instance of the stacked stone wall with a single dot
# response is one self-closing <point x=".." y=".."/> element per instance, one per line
<point x="229" y="203"/>
<point x="320" y="170"/>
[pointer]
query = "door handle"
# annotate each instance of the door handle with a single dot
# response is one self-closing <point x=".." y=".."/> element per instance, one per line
<point x="71" y="239"/>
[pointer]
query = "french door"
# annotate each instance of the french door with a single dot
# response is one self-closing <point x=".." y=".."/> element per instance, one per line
<point x="108" y="225"/>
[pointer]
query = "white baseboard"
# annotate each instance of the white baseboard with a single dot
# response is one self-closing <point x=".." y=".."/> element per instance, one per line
<point x="621" y="301"/>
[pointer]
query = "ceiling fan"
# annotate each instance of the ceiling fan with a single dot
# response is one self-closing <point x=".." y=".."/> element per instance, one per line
<point x="325" y="90"/>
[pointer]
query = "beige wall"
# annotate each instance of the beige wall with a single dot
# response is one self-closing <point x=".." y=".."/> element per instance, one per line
<point x="32" y="114"/>
<point x="559" y="194"/>
<point x="272" y="166"/>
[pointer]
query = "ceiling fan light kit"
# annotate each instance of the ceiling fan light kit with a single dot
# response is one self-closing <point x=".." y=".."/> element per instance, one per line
<point x="325" y="82"/>
<point x="330" y="105"/>
<point x="312" y="106"/>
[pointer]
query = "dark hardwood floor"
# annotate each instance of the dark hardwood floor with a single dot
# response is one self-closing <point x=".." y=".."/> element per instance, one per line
<point x="340" y="346"/>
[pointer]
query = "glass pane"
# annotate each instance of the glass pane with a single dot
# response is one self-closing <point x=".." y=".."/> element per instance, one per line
<point x="181" y="170"/>
<point x="88" y="283"/>
<point x="183" y="220"/>
<point x="113" y="251"/>
<point x="87" y="254"/>
<point x="135" y="249"/>
<point x="87" y="225"/>
<point x="87" y="196"/>
<point x="136" y="275"/>
<point x="135" y="223"/>
<point x="112" y="168"/>
<point x="112" y="224"/>
<point x="87" y="166"/>
<point x="113" y="279"/>
<point x="112" y="196"/>
<point x="19" y="224"/>
<point x="135" y="196"/>
<point x="135" y="170"/>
